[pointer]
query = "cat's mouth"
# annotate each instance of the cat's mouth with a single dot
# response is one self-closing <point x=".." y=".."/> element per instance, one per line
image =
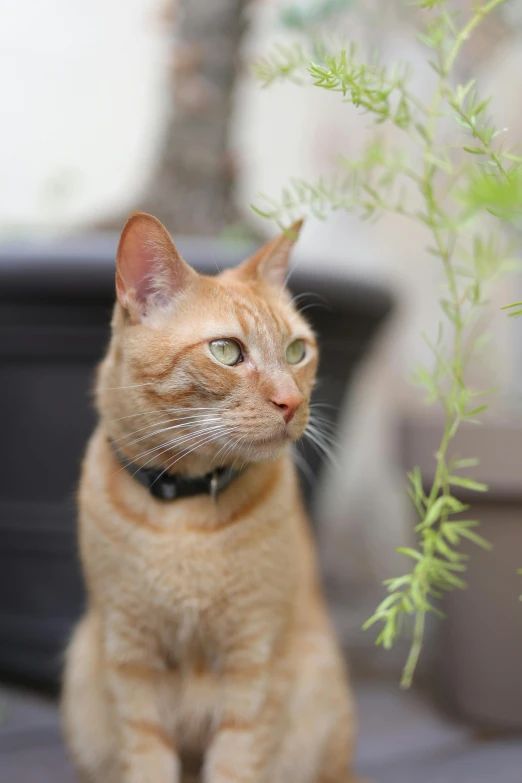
<point x="288" y="433"/>
<point x="270" y="440"/>
<point x="265" y="447"/>
<point x="276" y="439"/>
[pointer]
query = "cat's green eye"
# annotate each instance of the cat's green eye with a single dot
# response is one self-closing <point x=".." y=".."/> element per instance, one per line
<point x="295" y="352"/>
<point x="226" y="351"/>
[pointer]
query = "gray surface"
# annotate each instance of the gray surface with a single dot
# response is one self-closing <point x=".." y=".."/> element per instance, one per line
<point x="402" y="740"/>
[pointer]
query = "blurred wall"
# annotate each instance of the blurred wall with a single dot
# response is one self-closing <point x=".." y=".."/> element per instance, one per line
<point x="83" y="101"/>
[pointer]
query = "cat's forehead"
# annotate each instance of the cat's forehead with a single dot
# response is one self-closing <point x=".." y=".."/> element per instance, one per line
<point x="256" y="309"/>
<point x="258" y="315"/>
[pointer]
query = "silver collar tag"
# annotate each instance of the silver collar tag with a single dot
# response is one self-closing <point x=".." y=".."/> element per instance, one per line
<point x="213" y="486"/>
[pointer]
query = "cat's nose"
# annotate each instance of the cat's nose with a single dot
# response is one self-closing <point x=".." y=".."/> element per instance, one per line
<point x="287" y="404"/>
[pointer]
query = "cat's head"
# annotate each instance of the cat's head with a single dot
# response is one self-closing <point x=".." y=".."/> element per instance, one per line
<point x="203" y="370"/>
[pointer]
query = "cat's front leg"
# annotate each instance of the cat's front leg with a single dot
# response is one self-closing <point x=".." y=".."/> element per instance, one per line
<point x="146" y="751"/>
<point x="246" y="737"/>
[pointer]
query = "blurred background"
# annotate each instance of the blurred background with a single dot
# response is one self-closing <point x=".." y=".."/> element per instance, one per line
<point x="108" y="106"/>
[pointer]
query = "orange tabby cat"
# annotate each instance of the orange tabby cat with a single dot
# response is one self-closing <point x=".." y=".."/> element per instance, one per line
<point x="206" y="635"/>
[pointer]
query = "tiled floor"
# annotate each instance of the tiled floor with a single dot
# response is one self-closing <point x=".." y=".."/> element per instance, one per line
<point x="403" y="740"/>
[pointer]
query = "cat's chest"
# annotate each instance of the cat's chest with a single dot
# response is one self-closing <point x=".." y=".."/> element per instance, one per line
<point x="192" y="601"/>
<point x="178" y="580"/>
<point x="200" y="586"/>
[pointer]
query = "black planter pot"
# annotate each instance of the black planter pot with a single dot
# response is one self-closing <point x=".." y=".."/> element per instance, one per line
<point x="55" y="304"/>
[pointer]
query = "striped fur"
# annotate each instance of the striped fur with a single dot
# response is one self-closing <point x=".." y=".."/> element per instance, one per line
<point x="206" y="642"/>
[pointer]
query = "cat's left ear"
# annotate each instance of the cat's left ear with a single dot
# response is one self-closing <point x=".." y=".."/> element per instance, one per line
<point x="149" y="270"/>
<point x="271" y="261"/>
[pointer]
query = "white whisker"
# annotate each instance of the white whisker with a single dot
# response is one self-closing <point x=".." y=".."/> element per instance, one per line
<point x="305" y="468"/>
<point x="170" y="410"/>
<point x="192" y="423"/>
<point x="317" y="441"/>
<point x="228" y="446"/>
<point x="162" y="448"/>
<point x="320" y="423"/>
<point x="174" y="443"/>
<point x="197" y="445"/>
<point x="296" y="299"/>
<point x="168" y="429"/>
<point x="245" y="461"/>
<point x="316" y="426"/>
<point x="310" y="306"/>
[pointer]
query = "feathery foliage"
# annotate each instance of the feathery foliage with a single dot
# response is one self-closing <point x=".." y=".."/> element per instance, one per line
<point x="459" y="177"/>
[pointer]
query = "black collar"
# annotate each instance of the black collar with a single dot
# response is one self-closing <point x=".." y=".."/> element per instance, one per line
<point x="166" y="486"/>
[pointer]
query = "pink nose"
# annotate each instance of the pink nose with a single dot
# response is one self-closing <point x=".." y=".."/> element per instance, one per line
<point x="287" y="404"/>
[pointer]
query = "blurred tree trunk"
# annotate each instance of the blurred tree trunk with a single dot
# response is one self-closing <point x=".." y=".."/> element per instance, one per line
<point x="192" y="190"/>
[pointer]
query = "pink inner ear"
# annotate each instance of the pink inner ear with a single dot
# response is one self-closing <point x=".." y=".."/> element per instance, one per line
<point x="149" y="269"/>
<point x="136" y="260"/>
<point x="271" y="261"/>
<point x="275" y="267"/>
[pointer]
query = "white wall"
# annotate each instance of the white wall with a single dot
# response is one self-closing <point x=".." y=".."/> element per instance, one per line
<point x="81" y="107"/>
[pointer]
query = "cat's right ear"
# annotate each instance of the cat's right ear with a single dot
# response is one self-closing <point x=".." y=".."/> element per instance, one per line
<point x="149" y="270"/>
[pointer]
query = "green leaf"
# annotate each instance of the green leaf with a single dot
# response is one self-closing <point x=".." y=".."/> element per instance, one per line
<point x="440" y="163"/>
<point x="445" y="550"/>
<point x="422" y="377"/>
<point x="463" y="91"/>
<point x="454" y="566"/>
<point x="407" y="604"/>
<point x="421" y="130"/>
<point x="450" y="534"/>
<point x="371" y="621"/>
<point x="434" y="513"/>
<point x="402" y="116"/>
<point x="475" y="411"/>
<point x="478" y="540"/>
<point x="383" y="610"/>
<point x="452" y="580"/>
<point x="415" y="477"/>
<point x="460" y="481"/>
<point x="435" y="610"/>
<point x="394" y="583"/>
<point x="409" y="552"/>
<point x="450" y="310"/>
<point x="481" y="107"/>
<point x="457" y="525"/>
<point x="469" y="462"/>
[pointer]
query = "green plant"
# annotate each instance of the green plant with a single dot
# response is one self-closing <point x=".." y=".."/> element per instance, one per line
<point x="461" y="175"/>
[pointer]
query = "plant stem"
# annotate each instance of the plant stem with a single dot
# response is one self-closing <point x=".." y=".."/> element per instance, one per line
<point x="452" y="418"/>
<point x="466" y="31"/>
<point x="372" y="186"/>
<point x="478" y="134"/>
<point x="415" y="651"/>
